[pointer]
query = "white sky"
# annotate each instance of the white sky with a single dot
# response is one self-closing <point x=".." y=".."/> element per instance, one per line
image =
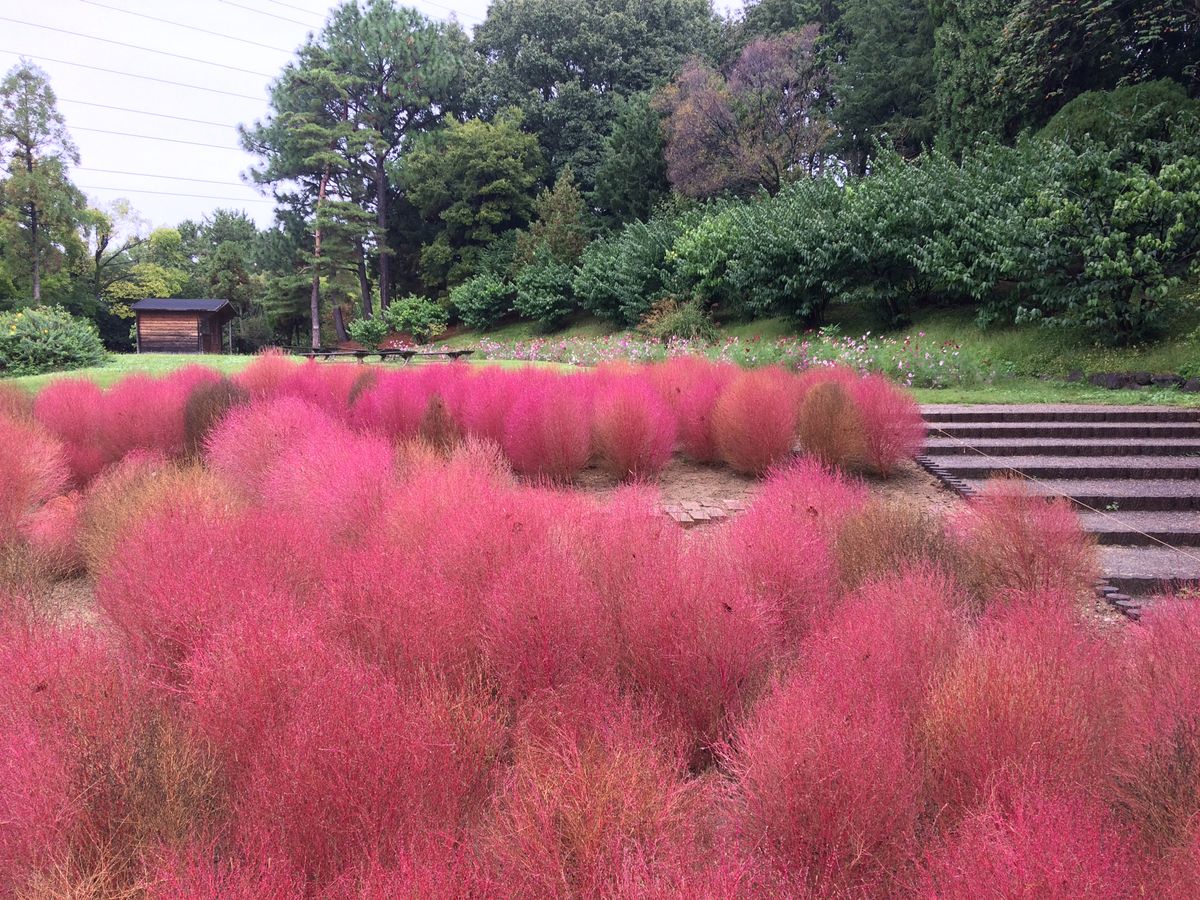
<point x="118" y="165"/>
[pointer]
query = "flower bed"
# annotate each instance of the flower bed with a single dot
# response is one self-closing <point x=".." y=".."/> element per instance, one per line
<point x="912" y="361"/>
<point x="338" y="650"/>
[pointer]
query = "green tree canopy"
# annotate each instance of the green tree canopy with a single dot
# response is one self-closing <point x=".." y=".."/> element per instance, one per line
<point x="564" y="63"/>
<point x="40" y="210"/>
<point x="471" y="182"/>
<point x="632" y="177"/>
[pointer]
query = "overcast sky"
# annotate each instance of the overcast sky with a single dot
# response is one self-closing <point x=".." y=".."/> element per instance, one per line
<point x="259" y="36"/>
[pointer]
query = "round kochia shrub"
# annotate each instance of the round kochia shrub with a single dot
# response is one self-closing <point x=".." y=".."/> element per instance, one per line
<point x="549" y="429"/>
<point x="754" y="421"/>
<point x="634" y="429"/>
<point x="45" y="339"/>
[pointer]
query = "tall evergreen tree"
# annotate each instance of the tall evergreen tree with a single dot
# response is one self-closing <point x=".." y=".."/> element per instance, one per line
<point x="41" y="208"/>
<point x="632" y="176"/>
<point x="883" y="83"/>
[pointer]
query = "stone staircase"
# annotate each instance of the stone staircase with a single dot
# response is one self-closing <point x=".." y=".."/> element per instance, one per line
<point x="1133" y="471"/>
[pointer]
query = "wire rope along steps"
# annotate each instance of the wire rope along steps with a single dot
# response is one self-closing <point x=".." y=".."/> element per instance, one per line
<point x="1132" y="471"/>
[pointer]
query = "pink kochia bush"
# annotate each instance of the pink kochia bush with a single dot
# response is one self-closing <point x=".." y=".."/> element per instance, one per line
<point x="754" y="420"/>
<point x="549" y="433"/>
<point x="634" y="428"/>
<point x="337" y="658"/>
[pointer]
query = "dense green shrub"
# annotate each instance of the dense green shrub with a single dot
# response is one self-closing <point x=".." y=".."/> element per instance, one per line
<point x="482" y="301"/>
<point x="544" y="290"/>
<point x="1135" y="112"/>
<point x="619" y="278"/>
<point x="369" y="332"/>
<point x="47" y="338"/>
<point x="673" y="318"/>
<point x="419" y="316"/>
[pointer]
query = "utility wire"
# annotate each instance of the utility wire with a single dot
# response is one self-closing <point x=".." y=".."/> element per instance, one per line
<point x="220" y="34"/>
<point x="92" y="187"/>
<point x="154" y="137"/>
<point x="167" y="177"/>
<point x="195" y="87"/>
<point x="92" y="37"/>
<point x="269" y="15"/>
<point x="297" y="8"/>
<point x="143" y="112"/>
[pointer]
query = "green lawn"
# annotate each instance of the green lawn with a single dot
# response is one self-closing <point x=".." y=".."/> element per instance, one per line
<point x="121" y="364"/>
<point x="1025" y="356"/>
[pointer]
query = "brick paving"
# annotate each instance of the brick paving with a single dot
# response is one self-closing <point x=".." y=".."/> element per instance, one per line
<point x="1134" y="472"/>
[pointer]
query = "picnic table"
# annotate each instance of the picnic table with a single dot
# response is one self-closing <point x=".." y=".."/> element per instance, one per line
<point x="405" y="354"/>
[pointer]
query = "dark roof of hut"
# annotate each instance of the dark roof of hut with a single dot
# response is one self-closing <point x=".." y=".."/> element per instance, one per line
<point x="154" y="304"/>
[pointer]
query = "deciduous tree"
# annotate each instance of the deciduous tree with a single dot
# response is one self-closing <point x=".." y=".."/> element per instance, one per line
<point x="760" y="126"/>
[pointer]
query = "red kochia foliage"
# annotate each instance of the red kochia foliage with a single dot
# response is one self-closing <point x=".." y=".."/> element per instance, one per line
<point x="754" y="421"/>
<point x="359" y="768"/>
<point x="264" y="376"/>
<point x="251" y="438"/>
<point x="33" y="469"/>
<point x="696" y="639"/>
<point x="596" y="785"/>
<point x="1031" y="841"/>
<point x="828" y="779"/>
<point x="892" y="425"/>
<point x="485" y="400"/>
<point x="549" y="430"/>
<point x="72" y="409"/>
<point x="543" y="623"/>
<point x="1160" y="760"/>
<point x="53" y="535"/>
<point x="634" y="429"/>
<point x="1031" y="692"/>
<point x="691" y="386"/>
<point x="331" y="478"/>
<point x="1016" y="541"/>
<point x="782" y="542"/>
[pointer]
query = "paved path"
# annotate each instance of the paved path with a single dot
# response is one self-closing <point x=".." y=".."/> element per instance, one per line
<point x="1133" y="471"/>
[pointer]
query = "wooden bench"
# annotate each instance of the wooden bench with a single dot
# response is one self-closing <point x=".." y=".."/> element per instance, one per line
<point x="404" y="354"/>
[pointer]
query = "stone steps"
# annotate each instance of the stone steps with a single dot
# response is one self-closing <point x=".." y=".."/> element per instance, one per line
<point x="1052" y="412"/>
<point x="1134" y="473"/>
<point x="1067" y="431"/>
<point x="1016" y="446"/>
<point x="1076" y="467"/>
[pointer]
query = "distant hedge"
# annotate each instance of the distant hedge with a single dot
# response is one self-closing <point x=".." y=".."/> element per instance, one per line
<point x="45" y="339"/>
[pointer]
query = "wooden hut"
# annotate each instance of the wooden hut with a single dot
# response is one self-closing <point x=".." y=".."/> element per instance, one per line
<point x="182" y="326"/>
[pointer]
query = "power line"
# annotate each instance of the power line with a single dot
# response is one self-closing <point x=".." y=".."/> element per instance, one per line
<point x="154" y="137"/>
<point x="269" y="15"/>
<point x="92" y="187"/>
<point x="195" y="87"/>
<point x="167" y="177"/>
<point x="457" y="12"/>
<point x="220" y="34"/>
<point x="297" y="8"/>
<point x="143" y="112"/>
<point x="92" y="37"/>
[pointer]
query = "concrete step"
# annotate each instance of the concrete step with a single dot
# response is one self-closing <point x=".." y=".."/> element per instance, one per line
<point x="943" y="412"/>
<point x="1145" y="571"/>
<point x="1139" y="468"/>
<point x="1116" y="495"/>
<point x="1066" y="431"/>
<point x="1016" y="446"/>
<point x="1143" y="529"/>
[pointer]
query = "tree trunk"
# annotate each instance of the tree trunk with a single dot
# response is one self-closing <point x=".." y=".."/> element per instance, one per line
<point x="316" y="269"/>
<point x="385" y="258"/>
<point x="35" y="252"/>
<point x="364" y="283"/>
